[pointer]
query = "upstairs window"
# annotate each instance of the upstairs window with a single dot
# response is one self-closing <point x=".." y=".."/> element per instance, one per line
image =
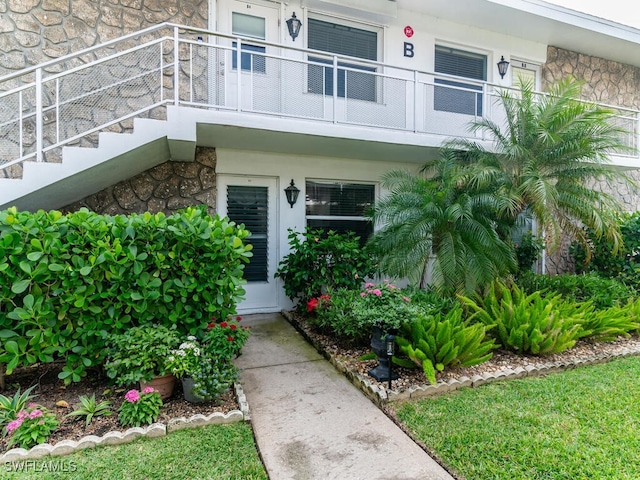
<point x="342" y="40"/>
<point x="459" y="96"/>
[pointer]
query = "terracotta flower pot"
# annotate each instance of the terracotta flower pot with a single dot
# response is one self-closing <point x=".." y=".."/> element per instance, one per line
<point x="164" y="385"/>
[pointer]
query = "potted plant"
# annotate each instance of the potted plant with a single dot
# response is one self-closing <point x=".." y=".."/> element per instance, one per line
<point x="204" y="374"/>
<point x="140" y="355"/>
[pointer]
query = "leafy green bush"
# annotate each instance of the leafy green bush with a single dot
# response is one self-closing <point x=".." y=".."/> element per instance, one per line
<point x="139" y="353"/>
<point x="436" y="341"/>
<point x="321" y="262"/>
<point x="602" y="292"/>
<point x="65" y="280"/>
<point x="528" y="323"/>
<point x="528" y="249"/>
<point x="623" y="265"/>
<point x="351" y="314"/>
<point x="610" y="323"/>
<point x="32" y="426"/>
<point x="140" y="408"/>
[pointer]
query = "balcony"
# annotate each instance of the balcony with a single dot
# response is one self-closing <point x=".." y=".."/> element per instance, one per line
<point x="212" y="89"/>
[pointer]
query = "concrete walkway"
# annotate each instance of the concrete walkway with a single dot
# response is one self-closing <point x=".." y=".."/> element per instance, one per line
<point x="310" y="422"/>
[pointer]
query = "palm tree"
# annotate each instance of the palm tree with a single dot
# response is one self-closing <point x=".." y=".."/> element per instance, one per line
<point x="462" y="208"/>
<point x="433" y="217"/>
<point x="543" y="160"/>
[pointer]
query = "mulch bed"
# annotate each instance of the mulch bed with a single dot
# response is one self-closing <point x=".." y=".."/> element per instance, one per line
<point x="584" y="350"/>
<point x="50" y="390"/>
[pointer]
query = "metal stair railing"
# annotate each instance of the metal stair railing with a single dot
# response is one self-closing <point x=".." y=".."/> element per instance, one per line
<point x="67" y="101"/>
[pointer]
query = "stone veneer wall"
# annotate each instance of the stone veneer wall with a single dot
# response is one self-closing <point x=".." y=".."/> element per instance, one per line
<point x="607" y="82"/>
<point x="35" y="31"/>
<point x="165" y="188"/>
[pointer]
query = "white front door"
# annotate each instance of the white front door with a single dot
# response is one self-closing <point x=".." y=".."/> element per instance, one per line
<point x="254" y="73"/>
<point x="252" y="201"/>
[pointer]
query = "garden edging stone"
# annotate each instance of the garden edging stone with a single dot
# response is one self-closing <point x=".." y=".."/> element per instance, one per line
<point x="380" y="395"/>
<point x="155" y="430"/>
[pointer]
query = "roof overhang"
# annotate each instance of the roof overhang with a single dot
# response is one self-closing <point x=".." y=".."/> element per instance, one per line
<point x="541" y="22"/>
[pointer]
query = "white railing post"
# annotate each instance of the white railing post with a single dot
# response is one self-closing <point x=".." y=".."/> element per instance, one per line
<point x="39" y="116"/>
<point x="239" y="72"/>
<point x="335" y="89"/>
<point x="415" y="101"/>
<point x="176" y="67"/>
<point x="161" y="71"/>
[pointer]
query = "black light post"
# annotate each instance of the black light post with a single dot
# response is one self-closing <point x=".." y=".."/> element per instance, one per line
<point x="384" y="347"/>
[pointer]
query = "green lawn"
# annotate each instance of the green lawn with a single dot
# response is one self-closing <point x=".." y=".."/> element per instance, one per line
<point x="579" y="424"/>
<point x="215" y="452"/>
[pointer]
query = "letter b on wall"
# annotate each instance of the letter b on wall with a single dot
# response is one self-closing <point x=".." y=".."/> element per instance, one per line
<point x="408" y="50"/>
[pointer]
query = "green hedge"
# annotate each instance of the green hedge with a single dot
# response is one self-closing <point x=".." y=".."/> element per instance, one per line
<point x="67" y="280"/>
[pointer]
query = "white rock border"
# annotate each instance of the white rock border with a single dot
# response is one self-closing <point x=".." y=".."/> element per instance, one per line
<point x="67" y="447"/>
<point x="381" y="395"/>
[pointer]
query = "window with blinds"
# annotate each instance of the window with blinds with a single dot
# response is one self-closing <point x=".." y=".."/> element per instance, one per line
<point x="340" y="207"/>
<point x="249" y="205"/>
<point x="459" y="97"/>
<point x="342" y="40"/>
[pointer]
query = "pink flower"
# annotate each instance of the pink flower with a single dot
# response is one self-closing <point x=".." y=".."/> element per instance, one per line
<point x="13" y="426"/>
<point x="35" y="414"/>
<point x="377" y="292"/>
<point x="368" y="285"/>
<point x="148" y="390"/>
<point x="22" y="414"/>
<point x="363" y="294"/>
<point x="132" y="396"/>
<point x="406" y="299"/>
<point x="32" y="405"/>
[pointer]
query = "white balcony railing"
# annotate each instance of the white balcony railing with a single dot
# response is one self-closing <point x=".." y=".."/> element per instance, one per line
<point x="67" y="100"/>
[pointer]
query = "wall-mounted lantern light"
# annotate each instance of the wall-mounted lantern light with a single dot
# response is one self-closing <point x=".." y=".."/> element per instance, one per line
<point x="502" y="66"/>
<point x="294" y="24"/>
<point x="292" y="193"/>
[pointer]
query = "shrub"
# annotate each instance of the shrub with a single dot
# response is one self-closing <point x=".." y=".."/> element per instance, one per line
<point x="225" y="340"/>
<point x="140" y="353"/>
<point x="436" y="341"/>
<point x="611" y="323"/>
<point x="322" y="262"/>
<point x="352" y="314"/>
<point x="140" y="408"/>
<point x="10" y="406"/>
<point x="528" y="323"/>
<point x="32" y="426"/>
<point x="623" y="265"/>
<point x="66" y="279"/>
<point x="528" y="250"/>
<point x="602" y="292"/>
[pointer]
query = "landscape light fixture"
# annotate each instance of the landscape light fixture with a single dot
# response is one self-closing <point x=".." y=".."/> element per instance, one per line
<point x="294" y="24"/>
<point x="384" y="347"/>
<point x="502" y="66"/>
<point x="292" y="193"/>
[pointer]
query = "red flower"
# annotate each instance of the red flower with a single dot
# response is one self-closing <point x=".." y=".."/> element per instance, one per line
<point x="230" y="339"/>
<point x="238" y="318"/>
<point x="233" y="327"/>
<point x="211" y="325"/>
<point x="312" y="304"/>
<point x="224" y="324"/>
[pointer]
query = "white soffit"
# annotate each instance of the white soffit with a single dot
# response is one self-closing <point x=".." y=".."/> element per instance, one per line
<point x="381" y="11"/>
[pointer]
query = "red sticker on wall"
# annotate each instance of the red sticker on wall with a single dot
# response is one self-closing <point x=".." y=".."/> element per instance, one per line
<point x="408" y="31"/>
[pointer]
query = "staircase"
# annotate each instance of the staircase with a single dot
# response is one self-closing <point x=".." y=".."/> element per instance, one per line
<point x="78" y="124"/>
